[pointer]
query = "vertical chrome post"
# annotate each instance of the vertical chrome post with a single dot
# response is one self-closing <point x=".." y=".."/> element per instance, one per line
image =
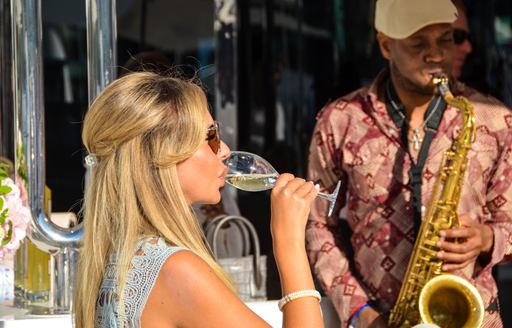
<point x="64" y="269"/>
<point x="29" y="140"/>
<point x="101" y="45"/>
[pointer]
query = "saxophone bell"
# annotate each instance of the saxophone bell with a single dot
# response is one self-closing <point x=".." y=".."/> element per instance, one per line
<point x="450" y="301"/>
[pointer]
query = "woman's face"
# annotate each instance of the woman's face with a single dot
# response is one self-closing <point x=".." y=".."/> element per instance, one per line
<point x="202" y="175"/>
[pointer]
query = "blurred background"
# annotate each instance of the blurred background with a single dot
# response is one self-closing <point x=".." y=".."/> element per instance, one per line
<point x="268" y="66"/>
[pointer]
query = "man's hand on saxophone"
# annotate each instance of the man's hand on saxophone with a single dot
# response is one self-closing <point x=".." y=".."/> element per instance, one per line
<point x="464" y="245"/>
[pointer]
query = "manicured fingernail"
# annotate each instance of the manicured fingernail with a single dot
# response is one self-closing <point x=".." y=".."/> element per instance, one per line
<point x="443" y="234"/>
<point x="440" y="255"/>
<point x="317" y="186"/>
<point x="438" y="244"/>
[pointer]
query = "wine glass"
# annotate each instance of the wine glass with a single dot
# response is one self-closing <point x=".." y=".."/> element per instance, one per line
<point x="250" y="172"/>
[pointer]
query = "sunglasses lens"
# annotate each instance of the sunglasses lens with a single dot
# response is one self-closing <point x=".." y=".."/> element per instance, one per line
<point x="459" y="36"/>
<point x="214" y="138"/>
<point x="214" y="145"/>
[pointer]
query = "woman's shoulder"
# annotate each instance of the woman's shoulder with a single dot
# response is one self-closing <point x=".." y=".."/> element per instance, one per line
<point x="185" y="276"/>
<point x="186" y="286"/>
<point x="150" y="257"/>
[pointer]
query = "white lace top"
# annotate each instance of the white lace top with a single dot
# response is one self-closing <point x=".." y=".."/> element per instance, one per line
<point x="151" y="254"/>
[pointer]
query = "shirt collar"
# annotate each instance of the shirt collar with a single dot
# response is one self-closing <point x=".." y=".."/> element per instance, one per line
<point x="379" y="111"/>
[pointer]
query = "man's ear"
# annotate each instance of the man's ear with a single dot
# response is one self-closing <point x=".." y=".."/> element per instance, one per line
<point x="384" y="45"/>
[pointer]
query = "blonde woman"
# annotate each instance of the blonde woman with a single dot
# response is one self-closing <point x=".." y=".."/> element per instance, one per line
<point x="155" y="150"/>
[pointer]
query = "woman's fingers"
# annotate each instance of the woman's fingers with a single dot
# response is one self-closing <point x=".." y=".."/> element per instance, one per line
<point x="294" y="187"/>
<point x="282" y="181"/>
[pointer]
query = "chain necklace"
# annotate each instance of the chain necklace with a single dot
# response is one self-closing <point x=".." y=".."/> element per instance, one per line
<point x="417" y="140"/>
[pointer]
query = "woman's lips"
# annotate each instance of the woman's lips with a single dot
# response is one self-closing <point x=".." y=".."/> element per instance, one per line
<point x="222" y="176"/>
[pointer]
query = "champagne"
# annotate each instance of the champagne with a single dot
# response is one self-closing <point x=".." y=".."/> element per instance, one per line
<point x="252" y="182"/>
<point x="32" y="278"/>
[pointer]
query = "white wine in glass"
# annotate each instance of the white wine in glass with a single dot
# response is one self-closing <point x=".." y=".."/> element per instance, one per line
<point x="250" y="172"/>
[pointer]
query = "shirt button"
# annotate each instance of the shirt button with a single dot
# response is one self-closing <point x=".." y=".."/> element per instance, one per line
<point x="389" y="290"/>
<point x="423" y="209"/>
<point x="386" y="238"/>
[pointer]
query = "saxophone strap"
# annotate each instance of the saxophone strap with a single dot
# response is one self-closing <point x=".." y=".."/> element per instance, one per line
<point x="494" y="306"/>
<point x="434" y="112"/>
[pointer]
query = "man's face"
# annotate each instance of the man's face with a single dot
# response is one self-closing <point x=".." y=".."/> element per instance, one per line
<point x="413" y="60"/>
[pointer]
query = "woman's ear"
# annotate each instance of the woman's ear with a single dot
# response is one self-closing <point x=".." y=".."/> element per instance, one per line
<point x="384" y="45"/>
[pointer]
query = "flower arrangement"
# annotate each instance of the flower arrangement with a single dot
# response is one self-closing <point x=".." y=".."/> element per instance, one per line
<point x="14" y="214"/>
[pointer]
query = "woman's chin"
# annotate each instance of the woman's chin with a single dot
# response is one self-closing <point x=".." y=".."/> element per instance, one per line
<point x="212" y="201"/>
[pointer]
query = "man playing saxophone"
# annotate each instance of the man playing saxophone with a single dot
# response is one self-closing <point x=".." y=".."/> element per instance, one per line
<point x="387" y="143"/>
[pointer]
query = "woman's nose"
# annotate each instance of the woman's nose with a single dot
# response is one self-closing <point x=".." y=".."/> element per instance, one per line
<point x="224" y="150"/>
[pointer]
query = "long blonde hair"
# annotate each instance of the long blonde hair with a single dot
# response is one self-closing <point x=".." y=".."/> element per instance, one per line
<point x="139" y="128"/>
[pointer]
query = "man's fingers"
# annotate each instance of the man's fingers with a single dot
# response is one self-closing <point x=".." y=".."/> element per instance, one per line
<point x="457" y="257"/>
<point x="454" y="247"/>
<point x="455" y="266"/>
<point x="457" y="233"/>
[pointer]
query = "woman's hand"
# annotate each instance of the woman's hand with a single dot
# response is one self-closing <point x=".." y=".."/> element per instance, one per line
<point x="291" y="202"/>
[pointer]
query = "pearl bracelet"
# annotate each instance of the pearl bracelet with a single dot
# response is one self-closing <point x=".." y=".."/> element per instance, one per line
<point x="299" y="294"/>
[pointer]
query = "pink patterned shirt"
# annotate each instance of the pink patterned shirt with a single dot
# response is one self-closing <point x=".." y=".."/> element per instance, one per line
<point x="355" y="141"/>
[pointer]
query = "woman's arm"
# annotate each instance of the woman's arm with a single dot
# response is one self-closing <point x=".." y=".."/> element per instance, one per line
<point x="187" y="293"/>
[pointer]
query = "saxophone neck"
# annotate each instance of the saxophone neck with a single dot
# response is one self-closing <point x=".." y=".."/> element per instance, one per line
<point x="441" y="81"/>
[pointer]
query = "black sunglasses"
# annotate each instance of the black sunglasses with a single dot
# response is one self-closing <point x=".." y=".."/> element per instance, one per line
<point x="213" y="137"/>
<point x="459" y="36"/>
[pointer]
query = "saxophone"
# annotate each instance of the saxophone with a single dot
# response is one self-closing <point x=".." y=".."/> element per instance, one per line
<point x="427" y="295"/>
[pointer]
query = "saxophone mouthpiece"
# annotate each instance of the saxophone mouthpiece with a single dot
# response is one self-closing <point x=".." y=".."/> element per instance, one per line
<point x="441" y="81"/>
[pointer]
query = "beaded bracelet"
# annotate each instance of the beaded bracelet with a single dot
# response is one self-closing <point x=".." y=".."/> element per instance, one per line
<point x="299" y="294"/>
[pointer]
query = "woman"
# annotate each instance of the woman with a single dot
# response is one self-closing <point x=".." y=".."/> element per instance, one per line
<point x="155" y="151"/>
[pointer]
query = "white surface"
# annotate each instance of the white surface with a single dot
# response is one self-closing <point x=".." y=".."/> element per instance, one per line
<point x="16" y="318"/>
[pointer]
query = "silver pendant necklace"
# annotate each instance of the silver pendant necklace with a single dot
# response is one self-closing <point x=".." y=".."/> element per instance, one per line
<point x="417" y="140"/>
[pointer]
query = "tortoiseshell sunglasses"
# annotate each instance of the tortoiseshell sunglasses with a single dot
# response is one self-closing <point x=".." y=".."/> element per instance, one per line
<point x="213" y="137"/>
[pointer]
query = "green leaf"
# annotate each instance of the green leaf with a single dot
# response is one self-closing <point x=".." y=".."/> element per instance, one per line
<point x="1" y="203"/>
<point x="4" y="168"/>
<point x="3" y="216"/>
<point x="4" y="190"/>
<point x="8" y="236"/>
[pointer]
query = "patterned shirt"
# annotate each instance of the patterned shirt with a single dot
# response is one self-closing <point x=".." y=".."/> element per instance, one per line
<point x="356" y="141"/>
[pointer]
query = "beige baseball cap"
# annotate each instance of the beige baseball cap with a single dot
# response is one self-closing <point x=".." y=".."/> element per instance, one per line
<point x="400" y="19"/>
